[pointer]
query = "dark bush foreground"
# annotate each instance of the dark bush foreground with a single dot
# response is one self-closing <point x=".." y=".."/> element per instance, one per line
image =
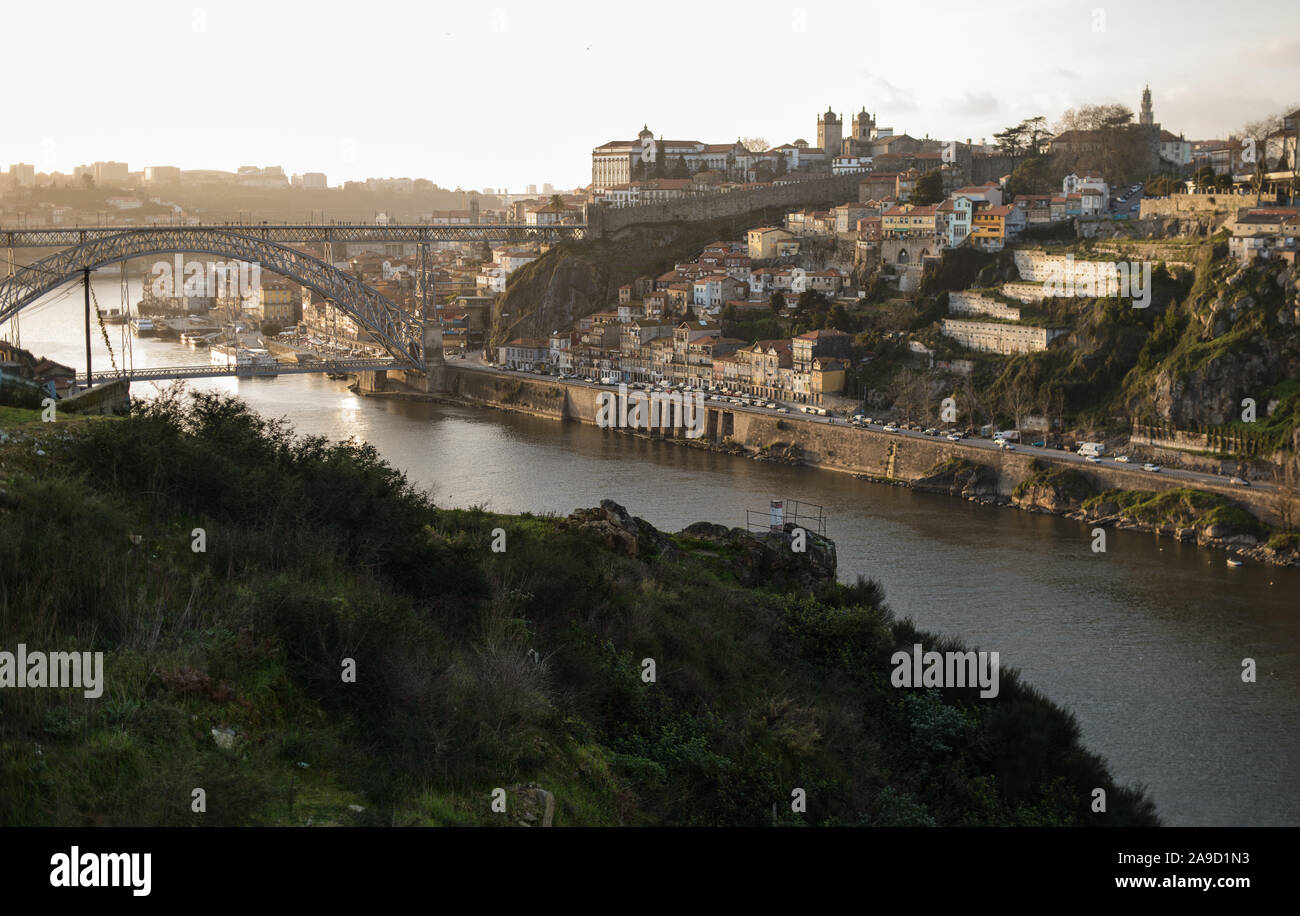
<point x="474" y="669"/>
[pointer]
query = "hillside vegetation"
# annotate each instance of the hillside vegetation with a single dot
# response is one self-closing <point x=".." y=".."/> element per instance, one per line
<point x="475" y="669"/>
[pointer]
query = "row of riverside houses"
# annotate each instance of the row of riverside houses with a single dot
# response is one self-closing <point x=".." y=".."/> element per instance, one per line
<point x="693" y="353"/>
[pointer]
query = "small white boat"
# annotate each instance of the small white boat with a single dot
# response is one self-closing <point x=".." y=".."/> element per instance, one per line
<point x="1233" y="563"/>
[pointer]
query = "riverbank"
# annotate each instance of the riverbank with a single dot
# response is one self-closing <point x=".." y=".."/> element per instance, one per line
<point x="1002" y="478"/>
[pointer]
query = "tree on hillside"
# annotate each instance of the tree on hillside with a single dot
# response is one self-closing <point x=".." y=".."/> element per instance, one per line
<point x="1027" y="138"/>
<point x="1093" y="117"/>
<point x="1020" y="398"/>
<point x="909" y="392"/>
<point x="928" y="189"/>
<point x="840" y="319"/>
<point x="679" y="168"/>
<point x="1108" y="141"/>
<point x="1286" y="500"/>
<point x="811" y="300"/>
<point x="1253" y="149"/>
<point x="557" y="201"/>
<point x="755" y="144"/>
<point x="1033" y="176"/>
<point x="777" y="303"/>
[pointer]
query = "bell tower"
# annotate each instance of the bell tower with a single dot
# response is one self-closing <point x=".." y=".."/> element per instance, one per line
<point x="862" y="124"/>
<point x="1147" y="118"/>
<point x="830" y="132"/>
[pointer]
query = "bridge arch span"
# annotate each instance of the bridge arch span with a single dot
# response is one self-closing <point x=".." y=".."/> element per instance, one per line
<point x="399" y="332"/>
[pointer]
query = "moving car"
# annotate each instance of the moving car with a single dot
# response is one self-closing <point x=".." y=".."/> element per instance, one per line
<point x="1240" y="481"/>
<point x="1154" y="468"/>
<point x="954" y="437"/>
<point x="1122" y="459"/>
<point x="1093" y="459"/>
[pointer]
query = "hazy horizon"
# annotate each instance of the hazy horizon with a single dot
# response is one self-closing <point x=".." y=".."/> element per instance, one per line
<point x="514" y="94"/>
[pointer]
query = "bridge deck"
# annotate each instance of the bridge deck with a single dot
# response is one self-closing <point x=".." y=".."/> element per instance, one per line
<point x="163" y="373"/>
<point x="59" y="237"/>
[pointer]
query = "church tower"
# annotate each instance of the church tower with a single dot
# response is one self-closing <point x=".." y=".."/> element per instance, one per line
<point x="1147" y="118"/>
<point x="830" y="131"/>
<point x="862" y="124"/>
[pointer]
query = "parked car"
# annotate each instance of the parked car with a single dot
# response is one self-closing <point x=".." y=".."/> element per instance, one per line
<point x="1039" y="444"/>
<point x="1093" y="459"/>
<point x="1122" y="459"/>
<point x="1154" y="468"/>
<point x="1240" y="481"/>
<point x="954" y="437"/>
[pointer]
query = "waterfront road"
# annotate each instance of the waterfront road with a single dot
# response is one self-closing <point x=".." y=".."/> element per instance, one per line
<point x="1134" y="466"/>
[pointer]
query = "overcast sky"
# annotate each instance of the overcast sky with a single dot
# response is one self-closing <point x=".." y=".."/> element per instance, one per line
<point x="502" y="95"/>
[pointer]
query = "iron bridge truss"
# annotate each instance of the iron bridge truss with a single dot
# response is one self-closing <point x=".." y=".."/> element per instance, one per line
<point x="400" y="332"/>
<point x="336" y="233"/>
<point x="165" y="373"/>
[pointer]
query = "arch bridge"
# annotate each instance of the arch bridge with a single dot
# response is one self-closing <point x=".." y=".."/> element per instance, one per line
<point x="401" y="333"/>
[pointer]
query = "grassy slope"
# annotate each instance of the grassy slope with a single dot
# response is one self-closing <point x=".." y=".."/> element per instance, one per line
<point x="318" y="553"/>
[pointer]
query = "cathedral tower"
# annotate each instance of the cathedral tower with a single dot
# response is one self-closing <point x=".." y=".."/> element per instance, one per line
<point x="830" y="131"/>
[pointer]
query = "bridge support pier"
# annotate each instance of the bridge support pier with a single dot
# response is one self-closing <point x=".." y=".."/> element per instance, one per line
<point x="373" y="380"/>
<point x="435" y="367"/>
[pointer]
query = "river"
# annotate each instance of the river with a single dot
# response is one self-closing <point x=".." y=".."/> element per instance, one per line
<point x="1144" y="643"/>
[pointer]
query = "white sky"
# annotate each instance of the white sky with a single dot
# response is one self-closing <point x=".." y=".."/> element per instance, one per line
<point x="505" y="94"/>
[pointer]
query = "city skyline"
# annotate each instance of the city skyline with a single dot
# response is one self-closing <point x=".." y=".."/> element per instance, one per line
<point x="363" y="126"/>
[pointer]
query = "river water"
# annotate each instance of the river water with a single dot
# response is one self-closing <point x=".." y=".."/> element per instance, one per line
<point x="1144" y="643"/>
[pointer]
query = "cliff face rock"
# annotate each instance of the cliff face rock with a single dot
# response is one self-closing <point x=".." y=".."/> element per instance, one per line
<point x="1240" y="339"/>
<point x="548" y="294"/>
<point x="1212" y="392"/>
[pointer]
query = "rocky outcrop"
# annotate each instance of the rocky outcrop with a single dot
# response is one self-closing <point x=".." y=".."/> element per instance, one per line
<point x="959" y="477"/>
<point x="783" y="452"/>
<point x="772" y="558"/>
<point x="531" y="805"/>
<point x="768" y="558"/>
<point x="619" y="529"/>
<point x="1059" y="490"/>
